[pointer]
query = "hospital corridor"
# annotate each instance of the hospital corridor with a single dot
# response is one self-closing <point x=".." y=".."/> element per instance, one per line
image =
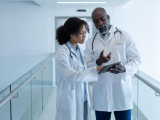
<point x="79" y="60"/>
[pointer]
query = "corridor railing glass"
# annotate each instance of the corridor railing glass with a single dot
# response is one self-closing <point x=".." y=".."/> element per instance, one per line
<point x="146" y="93"/>
<point x="26" y="98"/>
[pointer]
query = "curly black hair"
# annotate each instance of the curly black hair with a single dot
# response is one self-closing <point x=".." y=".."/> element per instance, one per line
<point x="71" y="27"/>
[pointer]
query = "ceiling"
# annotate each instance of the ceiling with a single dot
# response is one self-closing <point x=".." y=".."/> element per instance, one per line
<point x="53" y="3"/>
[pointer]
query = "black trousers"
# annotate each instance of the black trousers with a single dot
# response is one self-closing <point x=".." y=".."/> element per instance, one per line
<point x="85" y="115"/>
<point x="119" y="115"/>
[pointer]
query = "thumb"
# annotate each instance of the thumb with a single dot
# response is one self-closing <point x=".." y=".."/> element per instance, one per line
<point x="102" y="52"/>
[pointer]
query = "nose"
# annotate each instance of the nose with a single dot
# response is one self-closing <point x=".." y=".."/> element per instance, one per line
<point x="100" y="23"/>
<point x="84" y="36"/>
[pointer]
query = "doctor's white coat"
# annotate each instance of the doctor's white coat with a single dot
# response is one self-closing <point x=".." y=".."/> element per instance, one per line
<point x="113" y="92"/>
<point x="70" y="92"/>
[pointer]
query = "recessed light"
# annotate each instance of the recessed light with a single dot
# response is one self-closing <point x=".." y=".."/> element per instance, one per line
<point x="81" y="2"/>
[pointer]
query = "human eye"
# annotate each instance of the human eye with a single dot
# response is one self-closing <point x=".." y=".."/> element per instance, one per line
<point x="95" y="21"/>
<point x="81" y="33"/>
<point x="103" y="19"/>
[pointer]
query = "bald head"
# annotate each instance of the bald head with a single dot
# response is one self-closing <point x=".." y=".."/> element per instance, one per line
<point x="98" y="11"/>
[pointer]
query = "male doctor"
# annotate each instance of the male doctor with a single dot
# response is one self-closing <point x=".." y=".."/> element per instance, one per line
<point x="113" y="91"/>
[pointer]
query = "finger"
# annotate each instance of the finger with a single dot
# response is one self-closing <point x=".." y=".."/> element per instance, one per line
<point x="108" y="58"/>
<point x="114" y="70"/>
<point x="105" y="59"/>
<point x="117" y="71"/>
<point x="118" y="67"/>
<point x="109" y="55"/>
<point x="102" y="52"/>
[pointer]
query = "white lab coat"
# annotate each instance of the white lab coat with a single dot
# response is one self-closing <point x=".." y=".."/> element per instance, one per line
<point x="113" y="92"/>
<point x="70" y="92"/>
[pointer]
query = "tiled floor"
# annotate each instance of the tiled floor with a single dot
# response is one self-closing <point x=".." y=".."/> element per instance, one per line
<point x="50" y="109"/>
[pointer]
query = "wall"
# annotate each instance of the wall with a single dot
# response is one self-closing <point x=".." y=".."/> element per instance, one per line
<point x="26" y="38"/>
<point x="141" y="19"/>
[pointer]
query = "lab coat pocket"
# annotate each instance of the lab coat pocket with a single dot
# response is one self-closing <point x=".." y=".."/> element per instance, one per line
<point x="68" y="100"/>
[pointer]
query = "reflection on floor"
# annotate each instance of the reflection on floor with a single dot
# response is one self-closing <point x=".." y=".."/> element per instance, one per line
<point x="50" y="109"/>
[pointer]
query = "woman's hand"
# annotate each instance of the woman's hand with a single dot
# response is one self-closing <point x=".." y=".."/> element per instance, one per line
<point x="99" y="68"/>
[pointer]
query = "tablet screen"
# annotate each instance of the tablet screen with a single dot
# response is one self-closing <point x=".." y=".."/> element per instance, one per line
<point x="106" y="68"/>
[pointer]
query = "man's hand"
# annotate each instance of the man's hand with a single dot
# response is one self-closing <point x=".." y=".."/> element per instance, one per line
<point x="117" y="69"/>
<point x="102" y="58"/>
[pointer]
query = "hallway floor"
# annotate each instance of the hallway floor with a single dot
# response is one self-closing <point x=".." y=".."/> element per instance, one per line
<point x="50" y="109"/>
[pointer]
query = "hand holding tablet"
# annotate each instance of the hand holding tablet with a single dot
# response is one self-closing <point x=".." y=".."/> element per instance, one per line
<point x="107" y="68"/>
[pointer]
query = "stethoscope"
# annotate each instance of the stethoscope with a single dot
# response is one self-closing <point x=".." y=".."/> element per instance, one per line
<point x="116" y="41"/>
<point x="75" y="57"/>
<point x="120" y="41"/>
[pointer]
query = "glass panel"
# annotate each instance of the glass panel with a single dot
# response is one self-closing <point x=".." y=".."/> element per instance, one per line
<point x="135" y="95"/>
<point x="35" y="68"/>
<point x="37" y="96"/>
<point x="5" y="109"/>
<point x="148" y="102"/>
<point x="21" y="104"/>
<point x="47" y="82"/>
<point x="4" y="93"/>
<point x="150" y="79"/>
<point x="20" y="81"/>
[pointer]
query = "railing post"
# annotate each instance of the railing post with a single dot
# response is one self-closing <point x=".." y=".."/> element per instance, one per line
<point x="10" y="104"/>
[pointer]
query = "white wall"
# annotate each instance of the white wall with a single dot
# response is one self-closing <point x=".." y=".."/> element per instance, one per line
<point x="141" y="19"/>
<point x="26" y="38"/>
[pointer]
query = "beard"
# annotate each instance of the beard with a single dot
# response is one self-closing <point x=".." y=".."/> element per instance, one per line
<point x="103" y="29"/>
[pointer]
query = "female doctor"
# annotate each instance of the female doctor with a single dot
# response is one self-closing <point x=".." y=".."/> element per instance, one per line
<point x="73" y="98"/>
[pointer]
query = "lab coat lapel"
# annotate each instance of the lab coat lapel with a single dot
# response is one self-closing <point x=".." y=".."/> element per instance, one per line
<point x="111" y="34"/>
<point x="100" y="38"/>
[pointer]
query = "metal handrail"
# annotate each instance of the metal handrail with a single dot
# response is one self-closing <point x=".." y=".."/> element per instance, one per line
<point x="9" y="96"/>
<point x="156" y="89"/>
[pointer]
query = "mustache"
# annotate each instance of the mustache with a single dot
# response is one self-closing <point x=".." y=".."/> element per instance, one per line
<point x="102" y="26"/>
<point x="103" y="29"/>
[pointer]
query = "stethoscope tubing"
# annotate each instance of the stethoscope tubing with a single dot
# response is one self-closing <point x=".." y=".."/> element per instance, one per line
<point x="114" y="35"/>
<point x="74" y="55"/>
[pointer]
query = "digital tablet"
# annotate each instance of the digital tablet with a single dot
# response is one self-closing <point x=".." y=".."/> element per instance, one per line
<point x="106" y="68"/>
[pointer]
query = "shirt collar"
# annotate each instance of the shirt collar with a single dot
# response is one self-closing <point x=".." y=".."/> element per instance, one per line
<point x="73" y="47"/>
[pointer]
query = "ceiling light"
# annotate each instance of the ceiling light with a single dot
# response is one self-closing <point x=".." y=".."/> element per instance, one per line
<point x="80" y="2"/>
